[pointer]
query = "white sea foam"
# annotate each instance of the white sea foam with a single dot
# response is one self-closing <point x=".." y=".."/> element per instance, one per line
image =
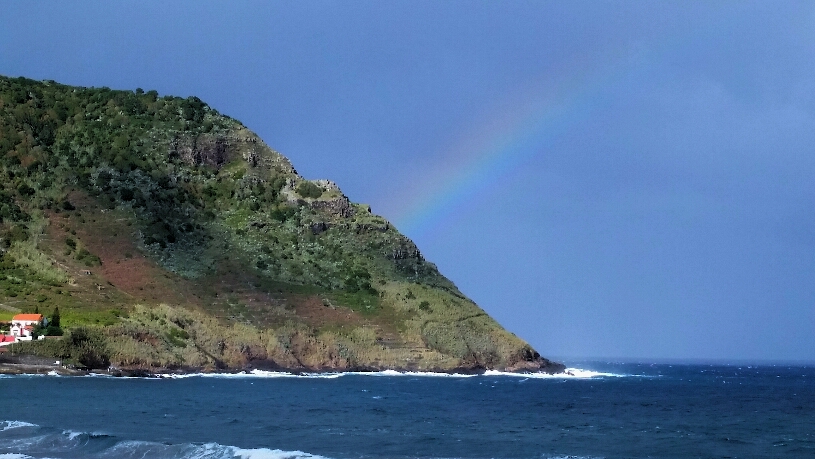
<point x="254" y="374"/>
<point x="569" y="373"/>
<point x="24" y="375"/>
<point x="71" y="434"/>
<point x="423" y="374"/>
<point x="77" y="442"/>
<point x="8" y="425"/>
<point x="283" y="374"/>
<point x="263" y="453"/>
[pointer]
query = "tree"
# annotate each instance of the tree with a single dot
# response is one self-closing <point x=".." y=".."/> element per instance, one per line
<point x="53" y="328"/>
<point x="55" y="317"/>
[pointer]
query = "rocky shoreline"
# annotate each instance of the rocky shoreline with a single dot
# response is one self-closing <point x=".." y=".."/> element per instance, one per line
<point x="33" y="365"/>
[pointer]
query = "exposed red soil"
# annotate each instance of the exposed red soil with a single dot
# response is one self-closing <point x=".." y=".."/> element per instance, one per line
<point x="128" y="276"/>
<point x="315" y="313"/>
<point x="107" y="235"/>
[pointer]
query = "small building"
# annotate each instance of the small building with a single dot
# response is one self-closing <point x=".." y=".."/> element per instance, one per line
<point x="22" y="325"/>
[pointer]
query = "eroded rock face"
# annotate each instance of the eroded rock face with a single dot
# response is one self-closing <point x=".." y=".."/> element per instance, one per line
<point x="203" y="149"/>
<point x="362" y="228"/>
<point x="527" y="359"/>
<point x="319" y="227"/>
<point x="406" y="250"/>
<point x="339" y="207"/>
<point x="328" y="185"/>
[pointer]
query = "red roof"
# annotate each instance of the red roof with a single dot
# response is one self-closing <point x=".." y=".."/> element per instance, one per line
<point x="28" y="317"/>
<point x="6" y="339"/>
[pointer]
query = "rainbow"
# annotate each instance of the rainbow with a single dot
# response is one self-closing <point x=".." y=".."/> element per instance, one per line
<point x="519" y="129"/>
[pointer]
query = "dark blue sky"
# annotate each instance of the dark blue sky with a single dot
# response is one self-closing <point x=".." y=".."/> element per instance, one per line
<point x="607" y="179"/>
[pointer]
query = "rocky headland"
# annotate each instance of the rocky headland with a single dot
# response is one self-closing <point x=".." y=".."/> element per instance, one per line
<point x="172" y="239"/>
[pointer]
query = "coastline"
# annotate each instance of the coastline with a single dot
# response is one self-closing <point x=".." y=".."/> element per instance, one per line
<point x="33" y="365"/>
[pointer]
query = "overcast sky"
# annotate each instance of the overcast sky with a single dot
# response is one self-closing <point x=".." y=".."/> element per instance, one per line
<point x="607" y="179"/>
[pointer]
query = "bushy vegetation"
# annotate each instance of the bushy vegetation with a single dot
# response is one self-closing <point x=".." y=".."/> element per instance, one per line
<point x="307" y="189"/>
<point x="85" y="347"/>
<point x="121" y="145"/>
<point x="191" y="177"/>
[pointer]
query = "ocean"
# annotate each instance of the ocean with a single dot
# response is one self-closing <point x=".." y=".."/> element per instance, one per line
<point x="603" y="410"/>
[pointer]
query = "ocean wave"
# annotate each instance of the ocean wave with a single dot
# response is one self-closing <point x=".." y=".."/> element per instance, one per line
<point x="20" y="375"/>
<point x="253" y="374"/>
<point x="8" y="425"/>
<point x="272" y="454"/>
<point x="283" y="374"/>
<point x="422" y="374"/>
<point x="569" y="373"/>
<point x="23" y="440"/>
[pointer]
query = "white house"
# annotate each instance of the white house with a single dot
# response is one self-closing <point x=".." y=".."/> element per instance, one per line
<point x="22" y="325"/>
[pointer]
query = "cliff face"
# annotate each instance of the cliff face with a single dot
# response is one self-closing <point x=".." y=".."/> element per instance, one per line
<point x="181" y="239"/>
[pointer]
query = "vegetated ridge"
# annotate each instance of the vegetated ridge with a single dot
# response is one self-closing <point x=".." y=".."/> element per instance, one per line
<point x="171" y="237"/>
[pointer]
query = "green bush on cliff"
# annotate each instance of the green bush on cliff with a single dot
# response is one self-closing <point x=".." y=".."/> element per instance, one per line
<point x="307" y="189"/>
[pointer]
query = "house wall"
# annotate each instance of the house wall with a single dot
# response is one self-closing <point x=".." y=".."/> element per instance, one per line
<point x="18" y="327"/>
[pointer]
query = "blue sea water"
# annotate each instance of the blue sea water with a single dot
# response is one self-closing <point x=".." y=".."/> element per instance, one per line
<point x="615" y="411"/>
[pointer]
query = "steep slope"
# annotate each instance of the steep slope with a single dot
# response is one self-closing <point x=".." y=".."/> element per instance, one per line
<point x="171" y="236"/>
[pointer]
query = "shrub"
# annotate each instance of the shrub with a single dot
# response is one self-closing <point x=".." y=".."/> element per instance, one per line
<point x="88" y="347"/>
<point x="359" y="280"/>
<point x="88" y="258"/>
<point x="307" y="189"/>
<point x="25" y="190"/>
<point x="177" y="336"/>
<point x="83" y="346"/>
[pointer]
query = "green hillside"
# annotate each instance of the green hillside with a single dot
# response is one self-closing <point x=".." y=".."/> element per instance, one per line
<point x="170" y="236"/>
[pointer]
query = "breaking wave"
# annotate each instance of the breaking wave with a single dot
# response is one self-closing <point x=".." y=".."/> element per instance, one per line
<point x="22" y="440"/>
<point x="569" y="373"/>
